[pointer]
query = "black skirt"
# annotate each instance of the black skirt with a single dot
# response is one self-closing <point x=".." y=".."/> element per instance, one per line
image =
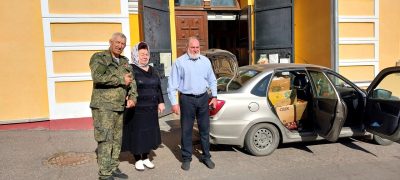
<point x="141" y="132"/>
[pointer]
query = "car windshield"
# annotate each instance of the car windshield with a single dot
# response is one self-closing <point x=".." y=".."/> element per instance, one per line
<point x="244" y="75"/>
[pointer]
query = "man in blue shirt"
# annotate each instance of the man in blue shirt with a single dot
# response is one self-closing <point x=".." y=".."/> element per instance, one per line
<point x="192" y="76"/>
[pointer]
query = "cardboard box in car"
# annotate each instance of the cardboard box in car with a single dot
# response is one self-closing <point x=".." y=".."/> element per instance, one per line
<point x="285" y="113"/>
<point x="300" y="107"/>
<point x="280" y="84"/>
<point x="280" y="98"/>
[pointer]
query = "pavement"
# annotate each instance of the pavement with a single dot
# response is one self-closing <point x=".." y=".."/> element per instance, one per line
<point x="45" y="151"/>
<point x="53" y="151"/>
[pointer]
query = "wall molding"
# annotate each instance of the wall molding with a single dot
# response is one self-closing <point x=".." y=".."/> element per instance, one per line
<point x="133" y="6"/>
<point x="47" y="30"/>
<point x="46" y="11"/>
<point x="367" y="40"/>
<point x="75" y="109"/>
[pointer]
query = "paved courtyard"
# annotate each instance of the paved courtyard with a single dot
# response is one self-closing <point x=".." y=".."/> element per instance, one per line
<point x="32" y="154"/>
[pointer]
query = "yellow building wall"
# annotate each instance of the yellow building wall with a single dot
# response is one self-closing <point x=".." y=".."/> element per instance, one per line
<point x="23" y="93"/>
<point x="173" y="29"/>
<point x="73" y="91"/>
<point x="72" y="61"/>
<point x="77" y="61"/>
<point x="357" y="52"/>
<point x="252" y="38"/>
<point x="134" y="28"/>
<point x="312" y="32"/>
<point x="389" y="33"/>
<point x="77" y="29"/>
<point x="356" y="7"/>
<point x="356" y="30"/>
<point x="358" y="73"/>
<point x="84" y="7"/>
<point x="83" y="32"/>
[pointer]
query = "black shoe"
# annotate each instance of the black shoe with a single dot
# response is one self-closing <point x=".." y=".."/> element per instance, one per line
<point x="209" y="163"/>
<point x="186" y="165"/>
<point x="118" y="174"/>
<point x="118" y="171"/>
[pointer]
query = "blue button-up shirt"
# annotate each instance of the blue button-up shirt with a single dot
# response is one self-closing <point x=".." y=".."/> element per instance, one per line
<point x="191" y="77"/>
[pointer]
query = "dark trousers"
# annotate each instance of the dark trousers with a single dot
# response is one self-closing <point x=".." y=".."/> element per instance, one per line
<point x="194" y="108"/>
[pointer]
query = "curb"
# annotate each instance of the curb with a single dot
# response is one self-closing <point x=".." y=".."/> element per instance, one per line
<point x="59" y="124"/>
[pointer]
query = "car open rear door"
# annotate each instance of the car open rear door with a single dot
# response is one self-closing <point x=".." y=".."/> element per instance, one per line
<point x="382" y="111"/>
<point x="329" y="110"/>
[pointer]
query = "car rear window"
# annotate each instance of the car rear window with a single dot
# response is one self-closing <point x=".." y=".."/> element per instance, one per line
<point x="244" y="76"/>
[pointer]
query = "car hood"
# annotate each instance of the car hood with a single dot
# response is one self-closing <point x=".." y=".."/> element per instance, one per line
<point x="224" y="63"/>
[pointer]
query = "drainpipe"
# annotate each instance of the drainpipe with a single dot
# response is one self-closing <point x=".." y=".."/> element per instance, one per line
<point x="250" y="33"/>
<point x="334" y="36"/>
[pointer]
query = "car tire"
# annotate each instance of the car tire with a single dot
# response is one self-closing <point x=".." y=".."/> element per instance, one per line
<point x="381" y="141"/>
<point x="262" y="139"/>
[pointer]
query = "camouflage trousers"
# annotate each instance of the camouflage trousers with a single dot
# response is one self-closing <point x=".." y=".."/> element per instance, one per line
<point x="108" y="134"/>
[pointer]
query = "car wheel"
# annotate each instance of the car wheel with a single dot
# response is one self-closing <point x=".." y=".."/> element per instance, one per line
<point x="381" y="141"/>
<point x="262" y="139"/>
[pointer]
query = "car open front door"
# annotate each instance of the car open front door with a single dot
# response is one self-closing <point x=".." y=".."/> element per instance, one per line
<point x="329" y="110"/>
<point x="382" y="111"/>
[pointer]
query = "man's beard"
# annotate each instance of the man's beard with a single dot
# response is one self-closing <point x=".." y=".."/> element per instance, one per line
<point x="194" y="56"/>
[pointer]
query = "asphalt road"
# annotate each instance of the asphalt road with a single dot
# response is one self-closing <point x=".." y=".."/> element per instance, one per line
<point x="25" y="155"/>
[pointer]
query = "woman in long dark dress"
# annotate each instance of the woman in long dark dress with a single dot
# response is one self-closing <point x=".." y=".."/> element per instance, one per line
<point x="141" y="132"/>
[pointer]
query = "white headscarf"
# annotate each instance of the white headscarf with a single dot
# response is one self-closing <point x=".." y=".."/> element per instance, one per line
<point x="135" y="54"/>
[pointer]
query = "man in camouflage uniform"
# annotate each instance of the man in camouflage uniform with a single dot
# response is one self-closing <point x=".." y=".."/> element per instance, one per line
<point x="112" y="85"/>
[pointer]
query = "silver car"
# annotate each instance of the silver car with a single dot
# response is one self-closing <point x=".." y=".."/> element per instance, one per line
<point x="261" y="106"/>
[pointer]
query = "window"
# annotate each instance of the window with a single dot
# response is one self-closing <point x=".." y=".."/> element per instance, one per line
<point x="211" y="4"/>
<point x="322" y="85"/>
<point x="244" y="76"/>
<point x="345" y="90"/>
<point x="338" y="82"/>
<point x="189" y="2"/>
<point x="225" y="3"/>
<point x="261" y="88"/>
<point x="388" y="89"/>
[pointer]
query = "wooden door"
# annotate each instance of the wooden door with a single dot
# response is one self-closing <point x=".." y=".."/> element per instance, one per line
<point x="191" y="23"/>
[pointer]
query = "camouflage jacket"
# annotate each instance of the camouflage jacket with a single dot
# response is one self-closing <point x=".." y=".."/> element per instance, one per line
<point x="109" y="89"/>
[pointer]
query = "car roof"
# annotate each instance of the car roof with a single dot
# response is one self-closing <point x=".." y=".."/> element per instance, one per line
<point x="224" y="63"/>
